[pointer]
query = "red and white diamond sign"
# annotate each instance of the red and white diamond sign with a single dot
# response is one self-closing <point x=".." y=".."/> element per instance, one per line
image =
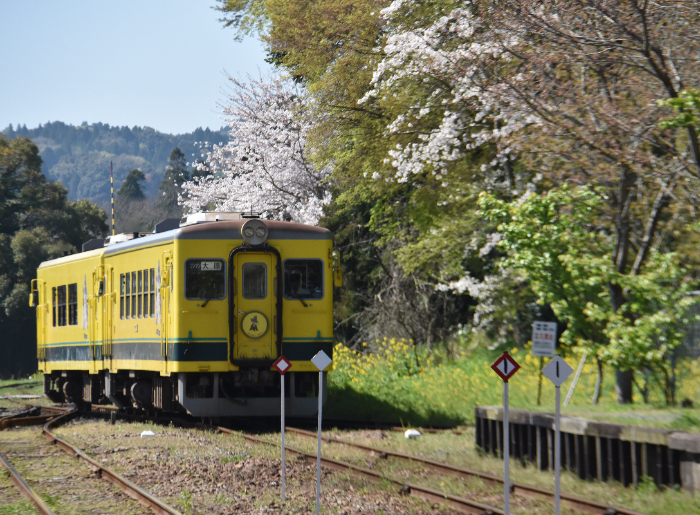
<point x="282" y="365"/>
<point x="505" y="366"/>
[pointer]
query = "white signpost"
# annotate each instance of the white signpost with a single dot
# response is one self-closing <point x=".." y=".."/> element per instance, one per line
<point x="282" y="365"/>
<point x="505" y="366"/>
<point x="321" y="362"/>
<point x="544" y="339"/>
<point x="557" y="371"/>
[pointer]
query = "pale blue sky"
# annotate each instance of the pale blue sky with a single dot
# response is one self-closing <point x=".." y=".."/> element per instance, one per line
<point x="150" y="63"/>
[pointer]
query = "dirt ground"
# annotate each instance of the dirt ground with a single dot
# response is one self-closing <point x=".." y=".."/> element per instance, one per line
<point x="211" y="473"/>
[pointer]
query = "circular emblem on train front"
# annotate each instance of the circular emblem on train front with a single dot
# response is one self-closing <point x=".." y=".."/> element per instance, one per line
<point x="254" y="324"/>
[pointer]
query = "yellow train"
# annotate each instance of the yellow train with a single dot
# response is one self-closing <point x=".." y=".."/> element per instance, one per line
<point x="190" y="319"/>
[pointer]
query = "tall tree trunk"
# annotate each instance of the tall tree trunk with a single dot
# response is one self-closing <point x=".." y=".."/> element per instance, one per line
<point x="623" y="387"/>
<point x="620" y="254"/>
<point x="598" y="382"/>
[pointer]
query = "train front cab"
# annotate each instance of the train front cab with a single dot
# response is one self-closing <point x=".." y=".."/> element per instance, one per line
<point x="271" y="297"/>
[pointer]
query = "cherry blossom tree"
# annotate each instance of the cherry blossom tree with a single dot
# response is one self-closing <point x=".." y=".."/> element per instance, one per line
<point x="570" y="90"/>
<point x="265" y="166"/>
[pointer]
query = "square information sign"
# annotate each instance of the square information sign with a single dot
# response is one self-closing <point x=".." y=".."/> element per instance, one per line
<point x="544" y="339"/>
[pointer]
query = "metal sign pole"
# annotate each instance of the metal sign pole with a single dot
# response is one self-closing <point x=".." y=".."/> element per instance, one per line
<point x="284" y="463"/>
<point x="557" y="452"/>
<point x="506" y="451"/>
<point x="321" y="361"/>
<point x="557" y="371"/>
<point x="282" y="365"/>
<point x="318" y="456"/>
<point x="505" y="366"/>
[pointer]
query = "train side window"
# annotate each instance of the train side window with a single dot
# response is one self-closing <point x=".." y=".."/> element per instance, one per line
<point x="54" y="305"/>
<point x="145" y="294"/>
<point x="134" y="313"/>
<point x="303" y="278"/>
<point x="73" y="304"/>
<point x="205" y="279"/>
<point x="121" y="296"/>
<point x="254" y="277"/>
<point x="139" y="294"/>
<point x="152" y="311"/>
<point x="61" y="304"/>
<point x="127" y="295"/>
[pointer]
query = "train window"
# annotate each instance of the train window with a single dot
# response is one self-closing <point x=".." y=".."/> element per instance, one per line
<point x="152" y="311"/>
<point x="139" y="298"/>
<point x="254" y="280"/>
<point x="61" y="305"/>
<point x="73" y="304"/>
<point x="303" y="279"/>
<point x="205" y="279"/>
<point x="134" y="313"/>
<point x="54" y="305"/>
<point x="127" y="295"/>
<point x="121" y="296"/>
<point x="145" y="294"/>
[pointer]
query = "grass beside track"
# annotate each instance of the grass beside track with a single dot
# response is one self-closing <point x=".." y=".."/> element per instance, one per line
<point x="400" y="383"/>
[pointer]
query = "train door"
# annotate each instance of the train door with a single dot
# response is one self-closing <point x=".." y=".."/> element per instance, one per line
<point x="109" y="300"/>
<point x="254" y="316"/>
<point x="95" y="318"/>
<point x="38" y="299"/>
<point x="164" y="277"/>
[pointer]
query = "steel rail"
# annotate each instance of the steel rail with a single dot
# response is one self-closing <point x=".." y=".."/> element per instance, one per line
<point x="134" y="491"/>
<point x="30" y="410"/>
<point x="24" y="488"/>
<point x="576" y="503"/>
<point x="453" y="501"/>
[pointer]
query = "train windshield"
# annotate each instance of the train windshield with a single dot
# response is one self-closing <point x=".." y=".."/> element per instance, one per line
<point x="205" y="279"/>
<point x="303" y="279"/>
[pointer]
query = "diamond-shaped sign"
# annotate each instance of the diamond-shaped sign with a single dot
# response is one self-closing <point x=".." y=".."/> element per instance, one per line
<point x="321" y="361"/>
<point x="282" y="365"/>
<point x="505" y="366"/>
<point x="557" y="371"/>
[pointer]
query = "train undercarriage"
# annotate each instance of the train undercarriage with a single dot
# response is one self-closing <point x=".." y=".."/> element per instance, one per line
<point x="249" y="392"/>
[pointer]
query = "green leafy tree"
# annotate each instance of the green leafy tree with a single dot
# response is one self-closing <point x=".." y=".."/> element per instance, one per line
<point x="687" y="103"/>
<point x="558" y="242"/>
<point x="131" y="188"/>
<point x="175" y="174"/>
<point x="37" y="222"/>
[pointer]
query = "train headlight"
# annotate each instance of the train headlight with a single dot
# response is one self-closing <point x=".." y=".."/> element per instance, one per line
<point x="254" y="232"/>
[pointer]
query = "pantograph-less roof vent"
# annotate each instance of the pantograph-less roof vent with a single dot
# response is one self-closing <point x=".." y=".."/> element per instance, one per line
<point x="202" y="218"/>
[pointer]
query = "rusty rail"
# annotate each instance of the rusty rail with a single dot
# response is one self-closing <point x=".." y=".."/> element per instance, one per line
<point x="24" y="488"/>
<point x="576" y="503"/>
<point x="134" y="491"/>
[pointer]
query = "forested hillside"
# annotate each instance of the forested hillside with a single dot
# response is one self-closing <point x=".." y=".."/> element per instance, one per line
<point x="37" y="222"/>
<point x="484" y="165"/>
<point x="79" y="156"/>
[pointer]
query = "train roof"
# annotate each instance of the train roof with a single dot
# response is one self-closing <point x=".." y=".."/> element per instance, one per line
<point x="221" y="230"/>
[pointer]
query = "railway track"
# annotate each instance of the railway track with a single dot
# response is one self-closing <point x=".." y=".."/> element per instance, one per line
<point x="458" y="503"/>
<point x="575" y="503"/>
<point x="52" y="417"/>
